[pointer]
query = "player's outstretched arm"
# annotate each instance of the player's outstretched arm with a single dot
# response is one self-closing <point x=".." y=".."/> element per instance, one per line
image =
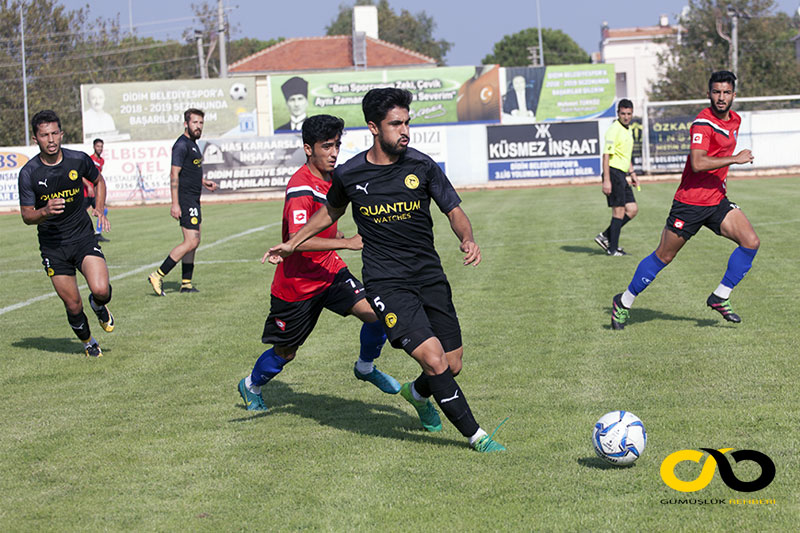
<point x="319" y="221"/>
<point x="462" y="227"/>
<point x="702" y="162"/>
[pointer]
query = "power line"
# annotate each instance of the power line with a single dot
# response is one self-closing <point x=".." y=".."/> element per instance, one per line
<point x="94" y="71"/>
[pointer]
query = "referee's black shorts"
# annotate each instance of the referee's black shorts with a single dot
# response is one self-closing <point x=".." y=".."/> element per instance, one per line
<point x="413" y="313"/>
<point x="621" y="191"/>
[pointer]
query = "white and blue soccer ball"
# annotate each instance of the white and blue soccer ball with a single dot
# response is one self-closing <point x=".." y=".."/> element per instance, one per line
<point x="619" y="437"/>
<point x="238" y="91"/>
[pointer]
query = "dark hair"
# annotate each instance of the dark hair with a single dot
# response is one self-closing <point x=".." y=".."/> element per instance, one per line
<point x="624" y="104"/>
<point x="378" y="102"/>
<point x="98" y="140"/>
<point x="44" y="117"/>
<point x="722" y="76"/>
<point x="187" y="115"/>
<point x="319" y="128"/>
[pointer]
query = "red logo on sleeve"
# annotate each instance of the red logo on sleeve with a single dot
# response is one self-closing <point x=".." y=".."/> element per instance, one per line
<point x="697" y="138"/>
<point x="300" y="216"/>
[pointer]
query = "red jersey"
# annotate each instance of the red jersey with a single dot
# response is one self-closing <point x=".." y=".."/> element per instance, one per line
<point x="88" y="188"/>
<point x="718" y="138"/>
<point x="305" y="274"/>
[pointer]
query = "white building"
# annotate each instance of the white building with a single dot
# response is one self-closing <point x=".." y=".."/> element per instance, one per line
<point x="634" y="54"/>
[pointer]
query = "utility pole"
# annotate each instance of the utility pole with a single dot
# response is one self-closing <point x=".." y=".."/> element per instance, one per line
<point x="539" y="23"/>
<point x="24" y="74"/>
<point x="733" y="40"/>
<point x="223" y="60"/>
<point x="198" y="37"/>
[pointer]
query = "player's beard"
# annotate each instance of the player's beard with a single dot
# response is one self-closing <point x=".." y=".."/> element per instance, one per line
<point x="194" y="135"/>
<point x="395" y="149"/>
<point x="721" y="111"/>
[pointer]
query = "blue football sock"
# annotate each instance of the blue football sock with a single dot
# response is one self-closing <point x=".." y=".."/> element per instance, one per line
<point x="267" y="367"/>
<point x="646" y="272"/>
<point x="372" y="340"/>
<point x="739" y="263"/>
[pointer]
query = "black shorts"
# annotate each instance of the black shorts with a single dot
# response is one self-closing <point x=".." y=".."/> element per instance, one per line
<point x="621" y="191"/>
<point x="290" y="323"/>
<point x="66" y="258"/>
<point x="685" y="220"/>
<point x="191" y="217"/>
<point x="411" y="314"/>
<point x="89" y="201"/>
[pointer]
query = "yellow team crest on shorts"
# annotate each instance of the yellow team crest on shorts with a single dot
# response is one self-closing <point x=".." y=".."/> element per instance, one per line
<point x="412" y="181"/>
<point x="73" y="174"/>
<point x="51" y="272"/>
<point x="193" y="221"/>
<point x="391" y="320"/>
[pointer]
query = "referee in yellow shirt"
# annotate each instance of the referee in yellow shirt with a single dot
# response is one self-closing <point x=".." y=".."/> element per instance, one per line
<point x="617" y="164"/>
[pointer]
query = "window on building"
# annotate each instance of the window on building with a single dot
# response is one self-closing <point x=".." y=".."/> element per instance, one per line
<point x="622" y="85"/>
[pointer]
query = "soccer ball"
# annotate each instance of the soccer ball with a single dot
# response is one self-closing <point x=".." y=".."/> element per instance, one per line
<point x="238" y="91"/>
<point x="619" y="437"/>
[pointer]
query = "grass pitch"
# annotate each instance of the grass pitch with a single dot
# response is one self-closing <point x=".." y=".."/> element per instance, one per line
<point x="153" y="435"/>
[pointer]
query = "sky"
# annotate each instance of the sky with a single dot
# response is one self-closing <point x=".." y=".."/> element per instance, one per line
<point x="472" y="26"/>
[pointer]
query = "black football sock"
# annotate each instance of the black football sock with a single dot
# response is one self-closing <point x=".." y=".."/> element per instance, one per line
<point x="452" y="402"/>
<point x="168" y="264"/>
<point x="422" y="387"/>
<point x="80" y="325"/>
<point x="187" y="271"/>
<point x="613" y="234"/>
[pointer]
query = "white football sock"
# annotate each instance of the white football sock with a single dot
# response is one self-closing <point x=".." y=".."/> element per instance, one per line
<point x="723" y="292"/>
<point x="249" y="384"/>
<point x="478" y="434"/>
<point x="627" y="298"/>
<point x="364" y="367"/>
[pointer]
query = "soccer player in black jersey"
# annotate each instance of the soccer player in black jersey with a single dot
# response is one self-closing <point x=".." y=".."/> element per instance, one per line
<point x="186" y="184"/>
<point x="51" y="197"/>
<point x="391" y="187"/>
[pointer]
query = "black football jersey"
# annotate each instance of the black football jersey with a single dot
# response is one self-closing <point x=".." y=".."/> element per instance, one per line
<point x="38" y="183"/>
<point x="186" y="154"/>
<point x="391" y="208"/>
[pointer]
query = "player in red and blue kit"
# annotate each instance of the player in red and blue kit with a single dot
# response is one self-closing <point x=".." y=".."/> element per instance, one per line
<point x="315" y="278"/>
<point x="701" y="200"/>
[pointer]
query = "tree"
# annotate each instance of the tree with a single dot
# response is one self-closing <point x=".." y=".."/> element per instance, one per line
<point x="767" y="64"/>
<point x="414" y="32"/>
<point x="559" y="49"/>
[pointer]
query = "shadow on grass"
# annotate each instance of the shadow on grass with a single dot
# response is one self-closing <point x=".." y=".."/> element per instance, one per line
<point x="639" y="315"/>
<point x="63" y="345"/>
<point x="350" y="415"/>
<point x="584" y="250"/>
<point x="596" y="462"/>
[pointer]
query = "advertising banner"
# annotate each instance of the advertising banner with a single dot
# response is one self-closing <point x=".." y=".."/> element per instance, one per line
<point x="442" y="95"/>
<point x="431" y="140"/>
<point x="134" y="172"/>
<point x="260" y="164"/>
<point x="553" y="150"/>
<point x="145" y="111"/>
<point x="560" y="92"/>
<point x="670" y="142"/>
<point x="572" y="92"/>
<point x="12" y="160"/>
<point x="265" y="164"/>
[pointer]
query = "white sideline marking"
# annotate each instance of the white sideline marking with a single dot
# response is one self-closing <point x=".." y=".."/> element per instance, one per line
<point x="140" y="269"/>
